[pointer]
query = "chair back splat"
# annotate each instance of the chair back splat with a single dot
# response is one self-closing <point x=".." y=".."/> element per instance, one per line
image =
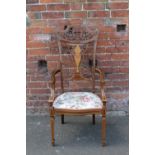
<point x="77" y="49"/>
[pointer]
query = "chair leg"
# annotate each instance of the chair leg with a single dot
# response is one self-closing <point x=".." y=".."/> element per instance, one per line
<point x="103" y="130"/>
<point x="52" y="130"/>
<point x="62" y="119"/>
<point x="93" y="119"/>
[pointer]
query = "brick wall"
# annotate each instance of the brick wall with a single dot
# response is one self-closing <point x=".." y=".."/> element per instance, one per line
<point x="45" y="17"/>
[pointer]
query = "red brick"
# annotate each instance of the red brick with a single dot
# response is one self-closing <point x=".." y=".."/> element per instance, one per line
<point x="78" y="14"/>
<point x="38" y="78"/>
<point x="124" y="70"/>
<point x="34" y="15"/>
<point x="37" y="52"/>
<point x="37" y="85"/>
<point x="114" y="63"/>
<point x="108" y="83"/>
<point x="73" y="1"/>
<point x="115" y="35"/>
<point x="109" y="63"/>
<point x="33" y="30"/>
<point x="100" y="49"/>
<point x="98" y="13"/>
<point x="110" y="70"/>
<point x="117" y="5"/>
<point x="59" y="25"/>
<point x="117" y="76"/>
<point x="120" y="56"/>
<point x="120" y="13"/>
<point x="51" y="15"/>
<point x="117" y="49"/>
<point x="108" y="43"/>
<point x="32" y="1"/>
<point x="36" y="7"/>
<point x="34" y="44"/>
<point x="39" y="91"/>
<point x="75" y="21"/>
<point x="93" y="6"/>
<point x="53" y="58"/>
<point x="103" y="57"/>
<point x="124" y="63"/>
<point x="47" y="30"/>
<point x="109" y="29"/>
<point x="120" y="83"/>
<point x="96" y="21"/>
<point x="75" y="6"/>
<point x="53" y="65"/>
<point x="50" y="1"/>
<point x="58" y="7"/>
<point x="40" y="30"/>
<point x="31" y="65"/>
<point x="38" y="22"/>
<point x="122" y="43"/>
<point x="35" y="59"/>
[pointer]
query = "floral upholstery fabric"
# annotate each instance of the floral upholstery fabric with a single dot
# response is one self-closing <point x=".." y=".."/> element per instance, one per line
<point x="77" y="101"/>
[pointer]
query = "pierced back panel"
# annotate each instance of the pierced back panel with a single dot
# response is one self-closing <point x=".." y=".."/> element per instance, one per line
<point x="77" y="59"/>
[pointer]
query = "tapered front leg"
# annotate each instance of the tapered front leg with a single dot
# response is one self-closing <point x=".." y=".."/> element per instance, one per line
<point x="104" y="127"/>
<point x="103" y="130"/>
<point x="52" y="130"/>
<point x="52" y="122"/>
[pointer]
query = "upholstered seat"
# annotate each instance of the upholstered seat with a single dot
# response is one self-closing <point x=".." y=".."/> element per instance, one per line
<point x="78" y="101"/>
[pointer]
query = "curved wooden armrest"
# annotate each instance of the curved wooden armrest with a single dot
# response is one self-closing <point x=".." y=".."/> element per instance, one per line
<point x="52" y="82"/>
<point x="103" y="96"/>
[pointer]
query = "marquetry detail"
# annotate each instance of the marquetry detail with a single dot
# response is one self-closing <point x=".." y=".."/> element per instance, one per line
<point x="77" y="57"/>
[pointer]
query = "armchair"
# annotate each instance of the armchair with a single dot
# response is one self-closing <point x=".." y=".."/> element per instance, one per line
<point x="75" y="56"/>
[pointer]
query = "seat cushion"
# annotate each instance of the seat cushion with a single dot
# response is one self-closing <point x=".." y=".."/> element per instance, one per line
<point x="77" y="101"/>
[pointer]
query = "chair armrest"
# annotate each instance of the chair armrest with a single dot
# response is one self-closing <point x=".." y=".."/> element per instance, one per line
<point x="52" y="82"/>
<point x="103" y="96"/>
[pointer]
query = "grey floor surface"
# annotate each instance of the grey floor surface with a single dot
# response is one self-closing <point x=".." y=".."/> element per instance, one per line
<point x="77" y="136"/>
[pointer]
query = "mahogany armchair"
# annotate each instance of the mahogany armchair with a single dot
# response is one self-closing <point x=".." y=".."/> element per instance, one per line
<point x="77" y="65"/>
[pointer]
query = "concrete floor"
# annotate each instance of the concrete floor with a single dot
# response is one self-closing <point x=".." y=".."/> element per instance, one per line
<point x="77" y="136"/>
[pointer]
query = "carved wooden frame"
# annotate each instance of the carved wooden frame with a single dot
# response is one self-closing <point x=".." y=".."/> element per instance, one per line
<point x="77" y="76"/>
